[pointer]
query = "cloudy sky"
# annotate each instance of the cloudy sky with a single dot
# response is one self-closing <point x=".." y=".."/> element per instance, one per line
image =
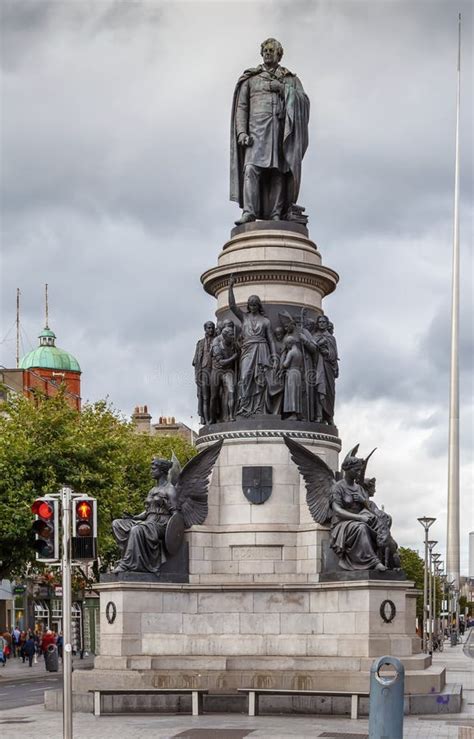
<point x="114" y="174"/>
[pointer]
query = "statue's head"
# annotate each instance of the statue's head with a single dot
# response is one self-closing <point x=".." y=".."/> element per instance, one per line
<point x="209" y="329"/>
<point x="322" y="323"/>
<point x="160" y="467"/>
<point x="330" y="327"/>
<point x="353" y="466"/>
<point x="254" y="304"/>
<point x="228" y="331"/>
<point x="271" y="51"/>
<point x="279" y="332"/>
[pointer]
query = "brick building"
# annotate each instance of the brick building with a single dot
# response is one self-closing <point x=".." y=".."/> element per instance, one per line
<point x="45" y="368"/>
<point x="166" y="426"/>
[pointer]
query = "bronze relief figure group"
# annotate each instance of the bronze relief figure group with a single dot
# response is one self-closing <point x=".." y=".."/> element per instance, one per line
<point x="251" y="367"/>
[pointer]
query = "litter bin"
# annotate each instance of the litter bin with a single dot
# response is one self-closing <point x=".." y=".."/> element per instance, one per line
<point x="454" y="637"/>
<point x="386" y="700"/>
<point x="51" y="658"/>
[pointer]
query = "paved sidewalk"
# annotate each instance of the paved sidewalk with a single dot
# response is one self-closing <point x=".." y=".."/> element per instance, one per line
<point x="35" y="721"/>
<point x="16" y="669"/>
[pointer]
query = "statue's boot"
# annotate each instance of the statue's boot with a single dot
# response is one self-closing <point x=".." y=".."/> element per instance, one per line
<point x="246" y="218"/>
<point x="118" y="569"/>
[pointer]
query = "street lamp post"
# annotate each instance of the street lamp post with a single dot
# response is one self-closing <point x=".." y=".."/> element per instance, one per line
<point x="444" y="580"/>
<point x="435" y="557"/>
<point x="426" y="522"/>
<point x="431" y="546"/>
<point x="439" y="575"/>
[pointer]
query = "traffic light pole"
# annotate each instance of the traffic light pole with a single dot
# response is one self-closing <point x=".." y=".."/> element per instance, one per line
<point x="67" y="606"/>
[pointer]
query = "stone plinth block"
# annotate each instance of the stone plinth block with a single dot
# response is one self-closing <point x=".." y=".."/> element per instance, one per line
<point x="221" y="638"/>
<point x="283" y="266"/>
<point x="275" y="541"/>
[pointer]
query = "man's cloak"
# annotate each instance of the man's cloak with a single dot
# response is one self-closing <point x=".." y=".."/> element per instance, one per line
<point x="295" y="134"/>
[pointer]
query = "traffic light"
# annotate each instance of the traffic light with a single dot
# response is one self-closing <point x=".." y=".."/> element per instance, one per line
<point x="46" y="529"/>
<point x="84" y="528"/>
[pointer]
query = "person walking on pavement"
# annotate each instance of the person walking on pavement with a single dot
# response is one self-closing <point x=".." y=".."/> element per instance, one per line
<point x="59" y="644"/>
<point x="36" y="638"/>
<point x="3" y="644"/>
<point x="21" y="645"/>
<point x="29" y="649"/>
<point x="16" y="634"/>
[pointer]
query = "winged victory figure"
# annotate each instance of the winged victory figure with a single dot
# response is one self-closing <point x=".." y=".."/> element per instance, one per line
<point x="177" y="501"/>
<point x="360" y="532"/>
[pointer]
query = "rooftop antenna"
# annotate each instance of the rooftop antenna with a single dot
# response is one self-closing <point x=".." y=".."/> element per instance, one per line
<point x="17" y="327"/>
<point x="46" y="304"/>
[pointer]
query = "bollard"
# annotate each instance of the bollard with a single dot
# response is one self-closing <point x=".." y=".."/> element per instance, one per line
<point x="386" y="700"/>
<point x="51" y="658"/>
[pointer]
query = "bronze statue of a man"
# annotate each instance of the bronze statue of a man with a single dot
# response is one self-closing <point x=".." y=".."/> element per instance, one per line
<point x="269" y="137"/>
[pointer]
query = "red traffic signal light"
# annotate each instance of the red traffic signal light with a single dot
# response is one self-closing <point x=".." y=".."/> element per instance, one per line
<point x="43" y="509"/>
<point x="46" y="529"/>
<point x="84" y="528"/>
<point x="84" y="509"/>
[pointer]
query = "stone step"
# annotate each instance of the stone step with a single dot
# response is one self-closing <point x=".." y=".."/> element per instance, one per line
<point x="139" y="662"/>
<point x="421" y="681"/>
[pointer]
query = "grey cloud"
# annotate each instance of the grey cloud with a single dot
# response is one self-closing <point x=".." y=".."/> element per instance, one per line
<point x="114" y="149"/>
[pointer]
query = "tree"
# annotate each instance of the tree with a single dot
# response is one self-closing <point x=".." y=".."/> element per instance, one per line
<point x="414" y="567"/>
<point x="47" y="444"/>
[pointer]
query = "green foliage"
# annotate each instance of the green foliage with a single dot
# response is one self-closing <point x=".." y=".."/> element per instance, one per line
<point x="46" y="444"/>
<point x="414" y="568"/>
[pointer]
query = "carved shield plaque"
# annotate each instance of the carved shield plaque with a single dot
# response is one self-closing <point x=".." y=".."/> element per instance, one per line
<point x="257" y="483"/>
<point x="174" y="533"/>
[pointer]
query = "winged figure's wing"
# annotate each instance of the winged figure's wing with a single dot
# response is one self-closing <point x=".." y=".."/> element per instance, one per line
<point x="318" y="477"/>
<point x="175" y="471"/>
<point x="364" y="468"/>
<point x="193" y="483"/>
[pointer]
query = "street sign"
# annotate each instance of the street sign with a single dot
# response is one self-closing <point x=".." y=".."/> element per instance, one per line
<point x="19" y="589"/>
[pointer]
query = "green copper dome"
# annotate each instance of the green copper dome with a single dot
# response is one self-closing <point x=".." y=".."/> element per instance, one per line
<point x="49" y="356"/>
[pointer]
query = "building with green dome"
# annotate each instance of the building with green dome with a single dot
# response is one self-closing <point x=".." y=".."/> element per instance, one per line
<point x="48" y="356"/>
<point x="46" y="368"/>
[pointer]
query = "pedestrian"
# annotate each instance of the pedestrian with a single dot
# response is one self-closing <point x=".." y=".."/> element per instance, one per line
<point x="29" y="648"/>
<point x="3" y="644"/>
<point x="21" y="645"/>
<point x="462" y="626"/>
<point x="36" y="637"/>
<point x="59" y="644"/>
<point x="16" y="634"/>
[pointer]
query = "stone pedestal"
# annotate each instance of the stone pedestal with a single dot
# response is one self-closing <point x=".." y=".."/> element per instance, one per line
<point x="282" y="266"/>
<point x="314" y="636"/>
<point x="277" y="541"/>
<point x="254" y="612"/>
